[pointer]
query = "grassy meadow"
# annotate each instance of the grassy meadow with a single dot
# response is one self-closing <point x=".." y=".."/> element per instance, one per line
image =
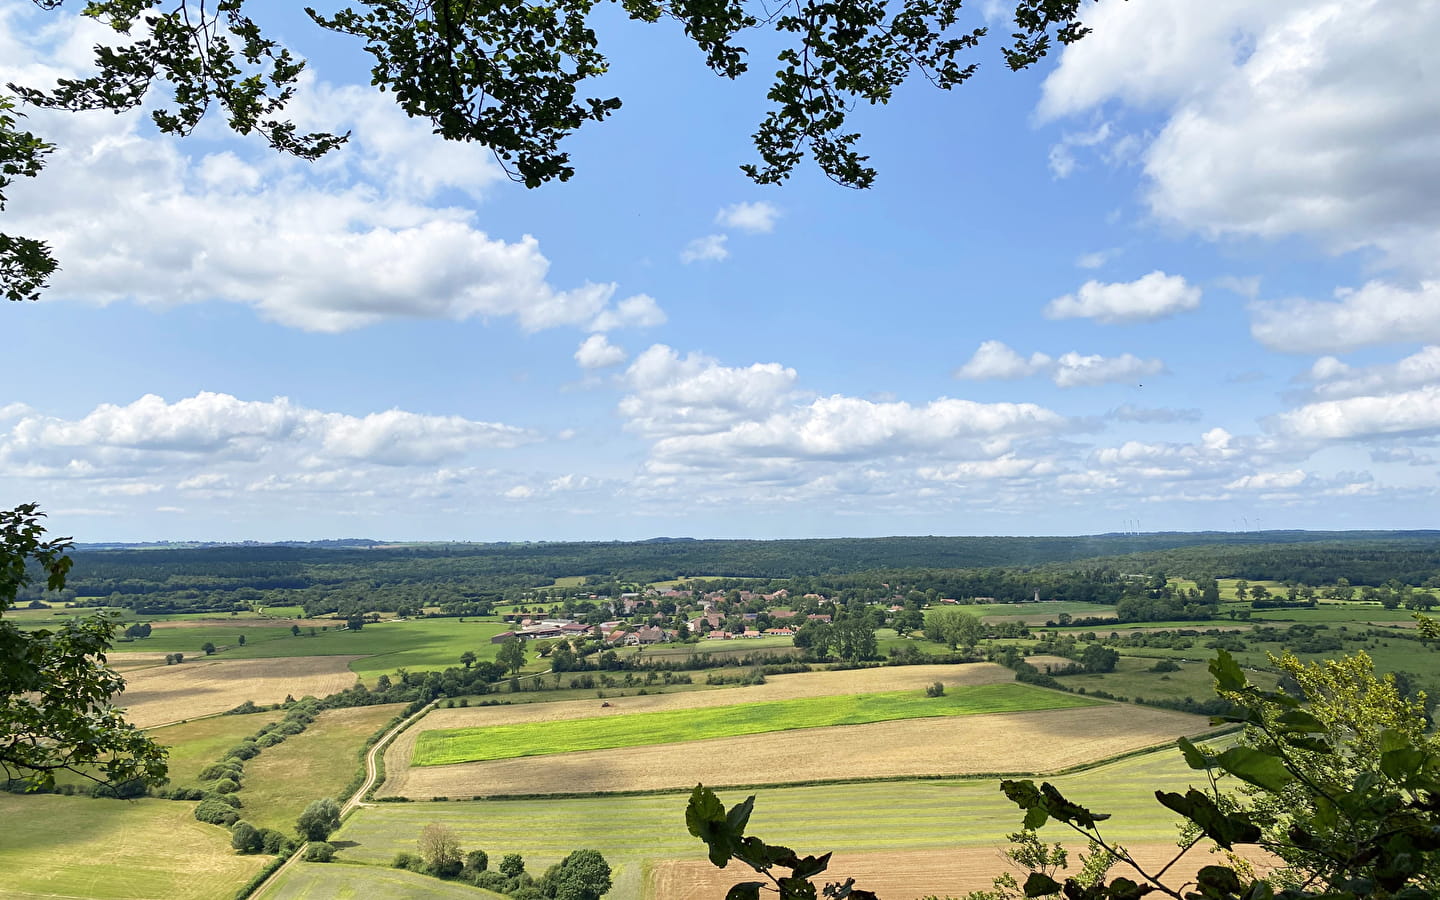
<point x="337" y="881"/>
<point x="445" y="747"/>
<point x="72" y="847"/>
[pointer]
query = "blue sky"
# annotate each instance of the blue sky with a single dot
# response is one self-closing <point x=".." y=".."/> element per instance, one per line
<point x="1181" y="276"/>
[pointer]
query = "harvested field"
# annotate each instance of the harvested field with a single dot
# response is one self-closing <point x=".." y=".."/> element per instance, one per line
<point x="127" y="662"/>
<point x="778" y="687"/>
<point x="1047" y="663"/>
<point x="163" y="694"/>
<point x="1028" y="742"/>
<point x="908" y="874"/>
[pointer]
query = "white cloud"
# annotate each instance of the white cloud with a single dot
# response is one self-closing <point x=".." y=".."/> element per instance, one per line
<point x="182" y="438"/>
<point x="709" y="248"/>
<point x="597" y="353"/>
<point x="1407" y="412"/>
<point x="1155" y="296"/>
<point x="671" y="395"/>
<point x="1268" y="481"/>
<point x="1337" y="380"/>
<point x="1096" y="259"/>
<point x="639" y="311"/>
<point x="1149" y="416"/>
<point x="995" y="360"/>
<point x="756" y="218"/>
<point x="1377" y="313"/>
<point x="1289" y="117"/>
<point x="352" y="240"/>
<point x="1062" y="156"/>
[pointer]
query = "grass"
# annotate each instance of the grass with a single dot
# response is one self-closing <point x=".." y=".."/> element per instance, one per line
<point x="337" y="881"/>
<point x="855" y="817"/>
<point x="116" y="850"/>
<point x="1047" y="608"/>
<point x="1132" y="678"/>
<point x="459" y="745"/>
<point x="318" y="762"/>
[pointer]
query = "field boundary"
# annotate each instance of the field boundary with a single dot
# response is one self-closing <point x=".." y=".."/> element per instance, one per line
<point x="822" y="782"/>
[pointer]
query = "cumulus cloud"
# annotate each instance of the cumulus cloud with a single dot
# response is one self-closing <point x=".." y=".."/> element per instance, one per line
<point x="357" y="238"/>
<point x="995" y="360"/>
<point x="1155" y="296"/>
<point x="598" y="353"/>
<point x="1268" y="481"/>
<point x="1336" y="380"/>
<point x="756" y="218"/>
<point x="152" y="435"/>
<point x="1377" y="313"/>
<point x="1278" y="119"/>
<point x="674" y="395"/>
<point x="710" y="248"/>
<point x="1414" y="412"/>
<point x="1062" y="156"/>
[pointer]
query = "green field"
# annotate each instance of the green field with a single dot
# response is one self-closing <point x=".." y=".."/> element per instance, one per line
<point x="1131" y="679"/>
<point x="337" y="881"/>
<point x="72" y="847"/>
<point x="855" y="817"/>
<point x="457" y="745"/>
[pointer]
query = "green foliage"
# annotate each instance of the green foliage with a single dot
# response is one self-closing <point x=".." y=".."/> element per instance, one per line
<point x="583" y="875"/>
<point x="319" y="820"/>
<point x="216" y="812"/>
<point x="477" y="861"/>
<point x="511" y="865"/>
<point x="953" y="627"/>
<point x="440" y="850"/>
<point x="55" y="712"/>
<point x="935" y="690"/>
<point x="246" y="838"/>
<point x="512" y="655"/>
<point x="319" y="851"/>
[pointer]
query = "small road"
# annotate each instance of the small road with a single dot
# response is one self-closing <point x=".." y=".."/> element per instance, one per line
<point x="372" y="772"/>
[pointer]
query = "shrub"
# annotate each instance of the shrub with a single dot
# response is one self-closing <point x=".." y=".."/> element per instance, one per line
<point x="245" y="838"/>
<point x="512" y="864"/>
<point x="409" y="861"/>
<point x="216" y="812"/>
<point x="230" y="769"/>
<point x="319" y="851"/>
<point x="490" y="881"/>
<point x="246" y="750"/>
<point x="935" y="690"/>
<point x="225" y="786"/>
<point x="272" y="841"/>
<point x="477" y="861"/>
<point x="269" y="740"/>
<point x="291" y="727"/>
<point x="1165" y="665"/>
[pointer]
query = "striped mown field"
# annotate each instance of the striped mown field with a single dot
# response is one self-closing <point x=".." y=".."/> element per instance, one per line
<point x="631" y="831"/>
<point x="336" y="881"/>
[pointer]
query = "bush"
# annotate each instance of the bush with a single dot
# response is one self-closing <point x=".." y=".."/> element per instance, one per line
<point x="225" y="786"/>
<point x="1165" y="665"/>
<point x="935" y="690"/>
<point x="490" y="881"/>
<point x="272" y="841"/>
<point x="216" y="812"/>
<point x="477" y="861"/>
<point x="409" y="861"/>
<point x="512" y="865"/>
<point x="230" y="769"/>
<point x="269" y="740"/>
<point x="319" y="851"/>
<point x="247" y="750"/>
<point x="246" y="838"/>
<point x="291" y="727"/>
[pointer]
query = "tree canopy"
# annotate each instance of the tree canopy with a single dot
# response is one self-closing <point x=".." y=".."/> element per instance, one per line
<point x="55" y="689"/>
<point x="510" y="75"/>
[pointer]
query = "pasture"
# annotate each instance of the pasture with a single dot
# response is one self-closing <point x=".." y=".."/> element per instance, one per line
<point x="163" y="694"/>
<point x="890" y="816"/>
<point x="336" y="881"/>
<point x="318" y="762"/>
<point x="195" y="745"/>
<point x="72" y="847"/>
<point x="437" y="748"/>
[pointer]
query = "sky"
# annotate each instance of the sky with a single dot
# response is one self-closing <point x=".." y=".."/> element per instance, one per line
<point x="1183" y="275"/>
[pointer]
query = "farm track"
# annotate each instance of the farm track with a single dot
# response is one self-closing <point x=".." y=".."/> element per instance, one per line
<point x="372" y="772"/>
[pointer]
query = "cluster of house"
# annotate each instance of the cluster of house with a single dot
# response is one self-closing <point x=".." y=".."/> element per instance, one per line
<point x="614" y="634"/>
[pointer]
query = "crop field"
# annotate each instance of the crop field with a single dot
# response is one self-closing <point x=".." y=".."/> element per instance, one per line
<point x="1035" y="613"/>
<point x="778" y="687"/>
<point x="1132" y="678"/>
<point x="73" y="847"/>
<point x="318" y="762"/>
<point x="165" y="694"/>
<point x="875" y="817"/>
<point x="438" y="748"/>
<point x="908" y="874"/>
<point x="336" y="881"/>
<point x="1043" y="741"/>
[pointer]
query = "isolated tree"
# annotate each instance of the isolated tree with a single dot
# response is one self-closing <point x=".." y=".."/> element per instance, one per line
<point x="583" y="875"/>
<point x="241" y="641"/>
<point x="208" y="647"/>
<point x="512" y="655"/>
<point x="294" y="630"/>
<point x="1099" y="658"/>
<point x="506" y="75"/>
<point x="511" y="865"/>
<point x="467" y="659"/>
<point x="55" y="688"/>
<point x="355" y="623"/>
<point x="440" y="849"/>
<point x="319" y="820"/>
